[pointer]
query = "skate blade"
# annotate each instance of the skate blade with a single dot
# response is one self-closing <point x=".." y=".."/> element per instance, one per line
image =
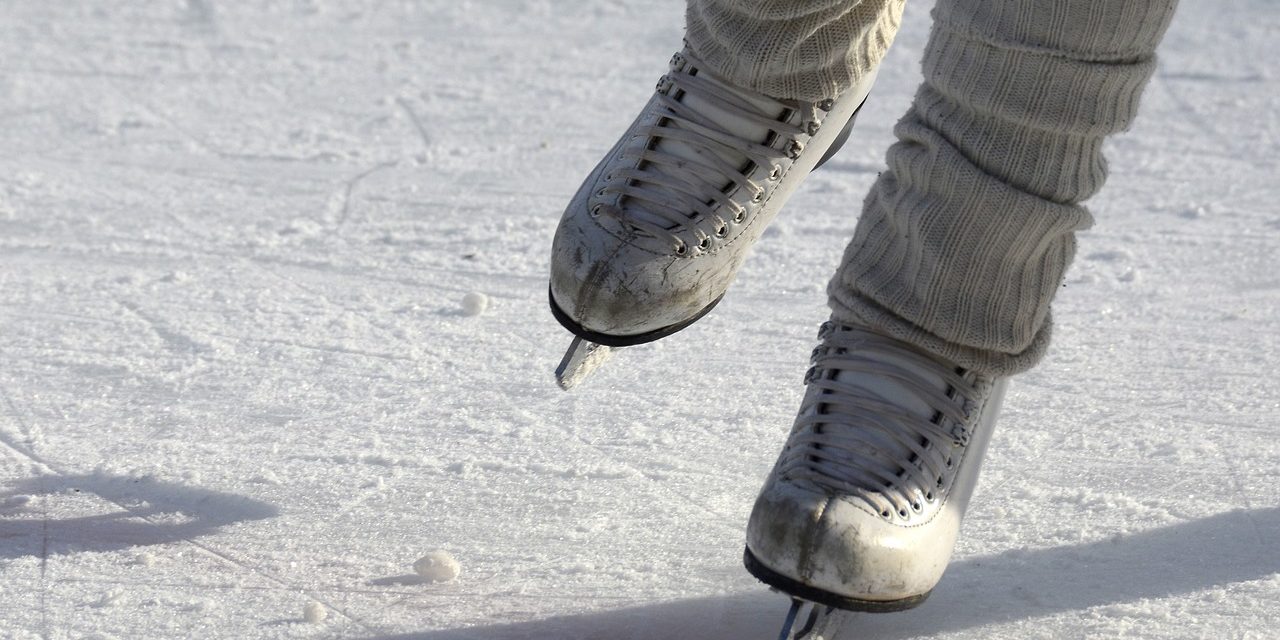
<point x="809" y="621"/>
<point x="582" y="358"/>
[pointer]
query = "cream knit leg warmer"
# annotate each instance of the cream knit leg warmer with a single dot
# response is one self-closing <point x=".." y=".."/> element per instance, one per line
<point x="800" y="49"/>
<point x="964" y="240"/>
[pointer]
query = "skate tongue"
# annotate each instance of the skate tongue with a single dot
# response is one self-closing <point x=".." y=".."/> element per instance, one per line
<point x="728" y="120"/>
<point x="892" y="390"/>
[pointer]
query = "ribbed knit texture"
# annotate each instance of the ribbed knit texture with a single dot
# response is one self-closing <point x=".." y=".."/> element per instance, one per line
<point x="965" y="239"/>
<point x="799" y="49"/>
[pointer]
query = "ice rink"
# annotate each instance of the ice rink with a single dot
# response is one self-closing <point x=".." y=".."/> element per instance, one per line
<point x="238" y="378"/>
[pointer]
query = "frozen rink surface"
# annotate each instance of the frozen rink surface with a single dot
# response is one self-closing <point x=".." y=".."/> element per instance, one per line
<point x="243" y="385"/>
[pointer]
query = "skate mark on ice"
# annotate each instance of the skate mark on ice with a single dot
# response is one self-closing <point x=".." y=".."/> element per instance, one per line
<point x="1221" y="78"/>
<point x="416" y="122"/>
<point x="158" y="584"/>
<point x="1239" y="487"/>
<point x="92" y="70"/>
<point x="406" y="580"/>
<point x="177" y="341"/>
<point x="1198" y="120"/>
<point x="720" y="518"/>
<point x="322" y="348"/>
<point x="347" y="192"/>
<point x="24" y="428"/>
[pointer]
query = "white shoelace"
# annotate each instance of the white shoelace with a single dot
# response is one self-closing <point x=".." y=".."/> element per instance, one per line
<point x="852" y="440"/>
<point x="680" y="198"/>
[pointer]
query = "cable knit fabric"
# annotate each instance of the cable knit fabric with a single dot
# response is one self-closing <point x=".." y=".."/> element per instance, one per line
<point x="798" y="49"/>
<point x="965" y="238"/>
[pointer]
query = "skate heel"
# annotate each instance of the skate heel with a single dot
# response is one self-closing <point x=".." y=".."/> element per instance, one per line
<point x="841" y="138"/>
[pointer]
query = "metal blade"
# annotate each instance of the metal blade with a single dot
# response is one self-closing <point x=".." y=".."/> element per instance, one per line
<point x="579" y="361"/>
<point x="808" y="621"/>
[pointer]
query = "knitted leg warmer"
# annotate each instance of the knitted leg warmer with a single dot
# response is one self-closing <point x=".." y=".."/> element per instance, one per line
<point x="964" y="240"/>
<point x="799" y="49"/>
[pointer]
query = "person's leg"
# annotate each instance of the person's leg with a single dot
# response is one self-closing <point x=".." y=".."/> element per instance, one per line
<point x="964" y="240"/>
<point x="806" y="50"/>
<point x="945" y="290"/>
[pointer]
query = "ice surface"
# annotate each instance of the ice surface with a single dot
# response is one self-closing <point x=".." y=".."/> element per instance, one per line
<point x="235" y="378"/>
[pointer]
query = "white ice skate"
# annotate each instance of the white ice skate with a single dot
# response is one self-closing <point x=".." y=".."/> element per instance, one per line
<point x="657" y="232"/>
<point x="862" y="510"/>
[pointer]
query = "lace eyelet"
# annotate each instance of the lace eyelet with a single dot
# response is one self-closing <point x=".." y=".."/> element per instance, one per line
<point x="721" y="231"/>
<point x="928" y="496"/>
<point x="681" y="249"/>
<point x="902" y="513"/>
<point x="595" y="211"/>
<point x="739" y="216"/>
<point x="758" y="196"/>
<point x="704" y="243"/>
<point x="917" y="507"/>
<point x="601" y="193"/>
<point x="775" y="173"/>
<point x="827" y="105"/>
<point x="886" y="514"/>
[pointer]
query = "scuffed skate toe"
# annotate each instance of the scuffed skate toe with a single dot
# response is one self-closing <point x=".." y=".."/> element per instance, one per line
<point x="608" y="289"/>
<point x="829" y="550"/>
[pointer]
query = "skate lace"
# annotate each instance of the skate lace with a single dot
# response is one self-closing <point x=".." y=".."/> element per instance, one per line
<point x="851" y="442"/>
<point x="674" y="197"/>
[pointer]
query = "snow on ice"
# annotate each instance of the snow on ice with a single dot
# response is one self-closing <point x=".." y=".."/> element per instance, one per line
<point x="437" y="566"/>
<point x="314" y="613"/>
<point x="475" y="303"/>
<point x="241" y="245"/>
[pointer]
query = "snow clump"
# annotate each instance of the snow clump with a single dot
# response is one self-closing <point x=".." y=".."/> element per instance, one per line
<point x="314" y="613"/>
<point x="437" y="566"/>
<point x="475" y="303"/>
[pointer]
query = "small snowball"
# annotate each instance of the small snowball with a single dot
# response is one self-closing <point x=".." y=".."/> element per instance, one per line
<point x="475" y="303"/>
<point x="314" y="613"/>
<point x="437" y="566"/>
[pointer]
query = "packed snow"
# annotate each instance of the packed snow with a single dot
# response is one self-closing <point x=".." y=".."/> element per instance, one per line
<point x="315" y="613"/>
<point x="475" y="303"/>
<point x="437" y="566"/>
<point x="273" y="323"/>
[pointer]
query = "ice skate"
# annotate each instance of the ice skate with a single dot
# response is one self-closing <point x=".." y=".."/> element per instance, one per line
<point x="658" y="230"/>
<point x="862" y="509"/>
